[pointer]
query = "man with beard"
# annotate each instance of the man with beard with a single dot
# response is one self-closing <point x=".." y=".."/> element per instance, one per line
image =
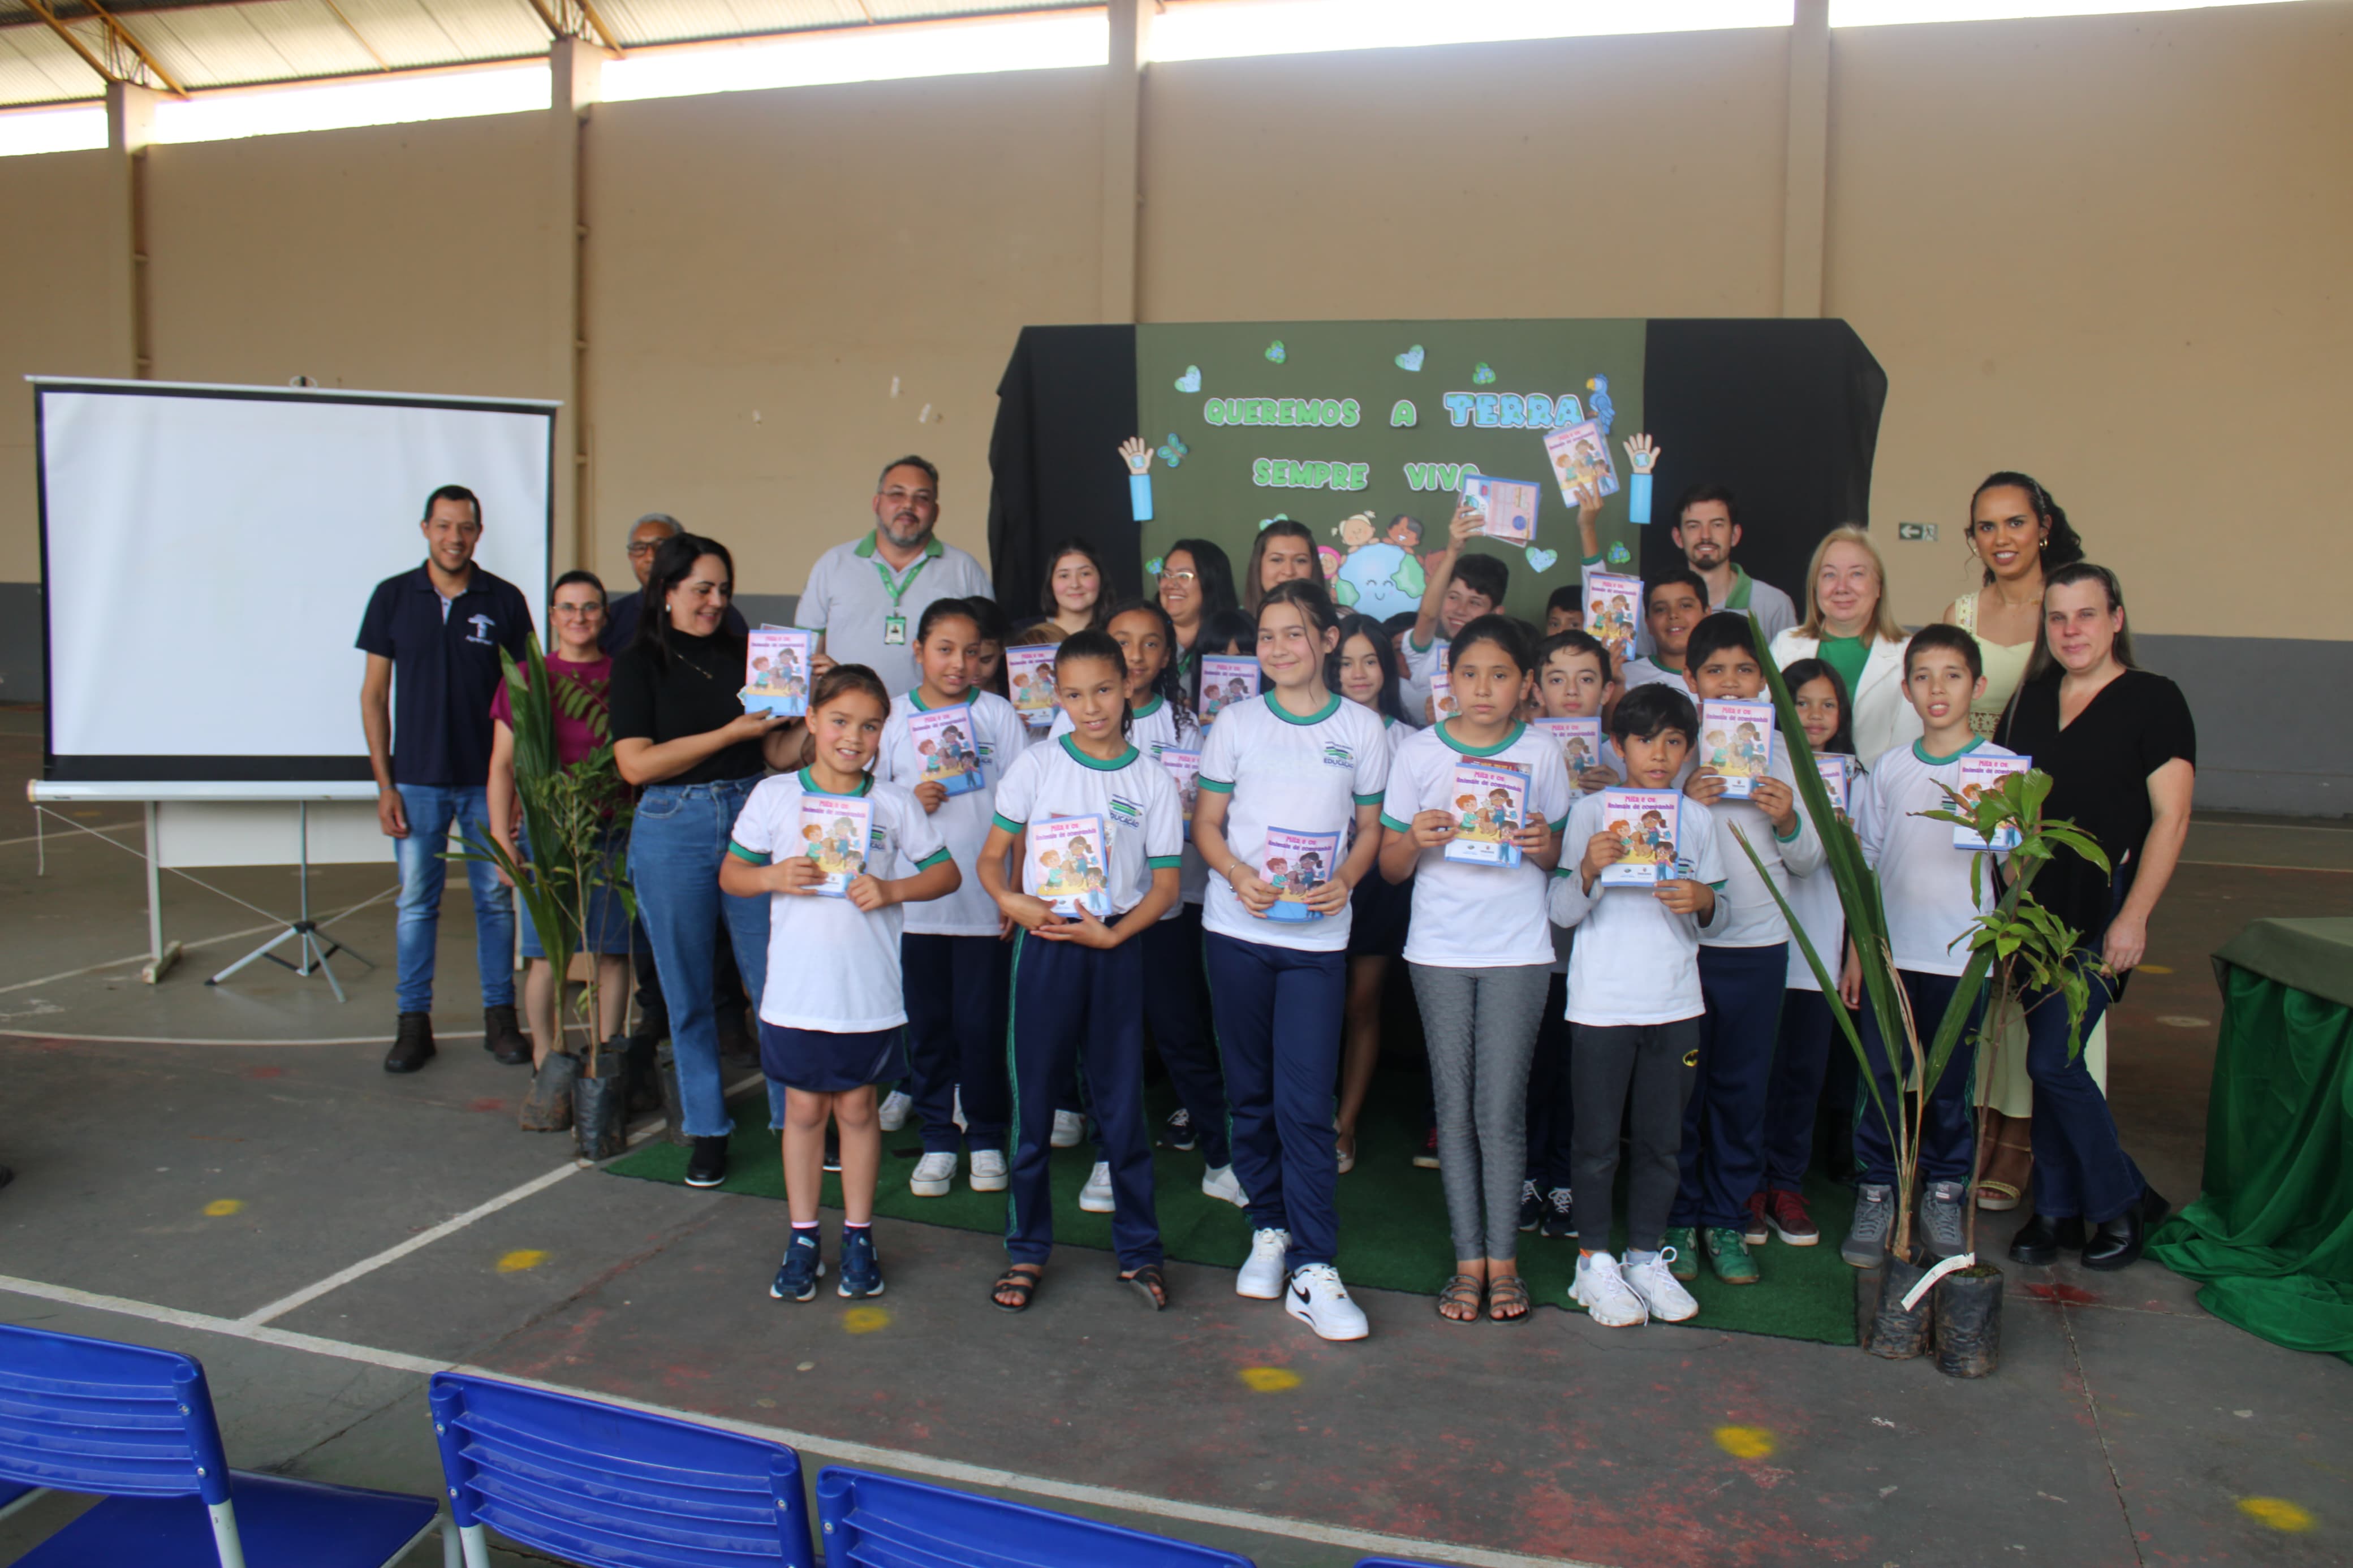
<point x="868" y="595"/>
<point x="1705" y="532"/>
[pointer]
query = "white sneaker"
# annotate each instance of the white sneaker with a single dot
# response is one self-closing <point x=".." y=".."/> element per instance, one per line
<point x="988" y="1174"/>
<point x="1261" y="1278"/>
<point x="933" y="1175"/>
<point x="1603" y="1290"/>
<point x="1218" y="1182"/>
<point x="1068" y="1128"/>
<point x="1096" y="1196"/>
<point x="1317" y="1298"/>
<point x="895" y="1107"/>
<point x="1661" y="1291"/>
<point x="955" y="1111"/>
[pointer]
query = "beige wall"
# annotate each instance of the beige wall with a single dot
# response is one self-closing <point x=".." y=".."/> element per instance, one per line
<point x="2112" y="251"/>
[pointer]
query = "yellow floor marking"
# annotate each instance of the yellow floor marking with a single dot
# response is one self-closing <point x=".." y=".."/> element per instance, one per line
<point x="2276" y="1511"/>
<point x="864" y="1319"/>
<point x="1270" y="1379"/>
<point x="221" y="1208"/>
<point x="1745" y="1441"/>
<point x="521" y="1259"/>
<point x="2157" y="969"/>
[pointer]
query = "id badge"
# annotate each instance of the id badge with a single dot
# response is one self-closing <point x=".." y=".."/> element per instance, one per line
<point x="894" y="631"/>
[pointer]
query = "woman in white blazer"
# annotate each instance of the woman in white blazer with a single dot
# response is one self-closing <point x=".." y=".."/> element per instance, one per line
<point x="1849" y="625"/>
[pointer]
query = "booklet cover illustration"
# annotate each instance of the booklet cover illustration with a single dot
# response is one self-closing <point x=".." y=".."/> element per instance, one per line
<point x="1443" y="704"/>
<point x="1225" y="679"/>
<point x="1185" y="768"/>
<point x="1579" y="741"/>
<point x="1488" y="801"/>
<point x="775" y="672"/>
<point x="1838" y="777"/>
<point x="1297" y="864"/>
<point x="944" y="739"/>
<point x="1613" y="606"/>
<point x="1509" y="507"/>
<point x="1030" y="676"/>
<point x="835" y="830"/>
<point x="1644" y="822"/>
<point x="1979" y="775"/>
<point x="1581" y="460"/>
<point x="1065" y="866"/>
<point x="1735" y="739"/>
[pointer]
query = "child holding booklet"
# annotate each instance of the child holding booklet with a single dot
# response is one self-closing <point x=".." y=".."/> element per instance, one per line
<point x="1460" y="589"/>
<point x="1924" y="881"/>
<point x="1365" y="669"/>
<point x="1478" y="949"/>
<point x="1635" y="1002"/>
<point x="1743" y="961"/>
<point x="1076" y="978"/>
<point x="834" y="1004"/>
<point x="956" y="966"/>
<point x="1296" y="761"/>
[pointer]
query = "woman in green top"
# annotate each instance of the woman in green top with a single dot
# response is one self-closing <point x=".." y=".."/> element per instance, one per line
<point x="1849" y="627"/>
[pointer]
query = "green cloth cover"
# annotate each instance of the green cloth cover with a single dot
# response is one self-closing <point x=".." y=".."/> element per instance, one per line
<point x="2315" y="955"/>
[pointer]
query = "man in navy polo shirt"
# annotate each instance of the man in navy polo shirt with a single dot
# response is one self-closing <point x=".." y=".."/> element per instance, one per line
<point x="432" y="639"/>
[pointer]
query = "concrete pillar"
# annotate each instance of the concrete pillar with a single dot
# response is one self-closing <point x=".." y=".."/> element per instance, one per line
<point x="574" y="73"/>
<point x="1123" y="177"/>
<point x="130" y="122"/>
<point x="1805" y="179"/>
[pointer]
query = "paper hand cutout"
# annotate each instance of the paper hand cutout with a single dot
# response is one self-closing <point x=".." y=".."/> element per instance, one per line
<point x="1642" y="452"/>
<point x="1137" y="454"/>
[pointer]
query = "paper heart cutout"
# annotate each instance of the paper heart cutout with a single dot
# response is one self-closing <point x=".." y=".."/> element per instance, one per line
<point x="1483" y="376"/>
<point x="1541" y="560"/>
<point x="1618" y="556"/>
<point x="1275" y="352"/>
<point x="1191" y="380"/>
<point x="1410" y="359"/>
<point x="1152" y="567"/>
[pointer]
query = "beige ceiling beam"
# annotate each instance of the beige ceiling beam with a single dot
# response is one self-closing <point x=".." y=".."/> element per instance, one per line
<point x="357" y="36"/>
<point x="41" y="8"/>
<point x="125" y="37"/>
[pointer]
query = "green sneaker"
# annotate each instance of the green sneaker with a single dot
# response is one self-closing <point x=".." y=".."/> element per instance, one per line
<point x="1729" y="1256"/>
<point x="1681" y="1245"/>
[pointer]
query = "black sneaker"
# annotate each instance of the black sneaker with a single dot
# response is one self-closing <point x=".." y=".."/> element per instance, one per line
<point x="1531" y="1203"/>
<point x="832" y="1151"/>
<point x="707" y="1166"/>
<point x="1181" y="1136"/>
<point x="412" y="1045"/>
<point x="503" y="1037"/>
<point x="1560" y="1214"/>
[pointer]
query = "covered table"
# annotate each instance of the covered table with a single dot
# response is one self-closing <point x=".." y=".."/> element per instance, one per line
<point x="2272" y="1234"/>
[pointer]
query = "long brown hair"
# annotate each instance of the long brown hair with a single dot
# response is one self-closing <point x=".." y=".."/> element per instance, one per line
<point x="1286" y="528"/>
<point x="2076" y="572"/>
<point x="1050" y="606"/>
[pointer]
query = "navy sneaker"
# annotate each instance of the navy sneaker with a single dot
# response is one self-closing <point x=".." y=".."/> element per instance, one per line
<point x="1180" y="1134"/>
<point x="797" y="1279"/>
<point x="1531" y="1204"/>
<point x="1560" y="1214"/>
<point x="861" y="1271"/>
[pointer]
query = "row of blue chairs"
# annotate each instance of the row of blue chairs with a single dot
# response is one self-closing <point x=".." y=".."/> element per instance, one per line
<point x="595" y="1484"/>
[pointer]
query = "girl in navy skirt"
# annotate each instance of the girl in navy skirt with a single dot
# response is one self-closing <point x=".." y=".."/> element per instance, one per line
<point x="833" y="1007"/>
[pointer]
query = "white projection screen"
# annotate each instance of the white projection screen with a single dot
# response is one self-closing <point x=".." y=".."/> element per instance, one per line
<point x="208" y="552"/>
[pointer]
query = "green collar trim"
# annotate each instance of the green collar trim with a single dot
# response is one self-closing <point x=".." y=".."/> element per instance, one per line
<point x="1071" y="748"/>
<point x="1742" y="583"/>
<point x="1149" y="709"/>
<point x="808" y="786"/>
<point x="933" y="548"/>
<point x="1447" y="735"/>
<point x="1288" y="717"/>
<point x="1920" y="750"/>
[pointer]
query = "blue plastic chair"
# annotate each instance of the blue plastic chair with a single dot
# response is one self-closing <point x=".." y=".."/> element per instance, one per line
<point x="1396" y="1563"/>
<point x="883" y="1521"/>
<point x="609" y="1487"/>
<point x="136" y="1426"/>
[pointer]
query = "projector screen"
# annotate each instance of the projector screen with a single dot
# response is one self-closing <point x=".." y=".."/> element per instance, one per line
<point x="208" y="552"/>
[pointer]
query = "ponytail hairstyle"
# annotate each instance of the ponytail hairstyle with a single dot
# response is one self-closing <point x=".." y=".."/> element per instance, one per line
<point x="2062" y="546"/>
<point x="1799" y="672"/>
<point x="1389" y="704"/>
<point x="1281" y="527"/>
<point x="674" y="560"/>
<point x="1224" y="630"/>
<point x="1169" y="684"/>
<point x="1092" y="644"/>
<point x="840" y="680"/>
<point x="940" y="610"/>
<point x="2075" y="572"/>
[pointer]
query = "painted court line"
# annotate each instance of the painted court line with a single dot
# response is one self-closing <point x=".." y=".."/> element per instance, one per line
<point x="952" y="1471"/>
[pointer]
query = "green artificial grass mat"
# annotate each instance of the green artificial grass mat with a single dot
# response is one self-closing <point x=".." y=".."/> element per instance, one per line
<point x="1393" y="1230"/>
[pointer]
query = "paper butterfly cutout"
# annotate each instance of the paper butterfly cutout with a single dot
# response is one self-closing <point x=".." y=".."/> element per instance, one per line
<point x="1266" y="522"/>
<point x="1274" y="351"/>
<point x="1541" y="560"/>
<point x="1172" y="451"/>
<point x="1191" y="380"/>
<point x="1483" y="376"/>
<point x="1152" y="567"/>
<point x="1410" y="359"/>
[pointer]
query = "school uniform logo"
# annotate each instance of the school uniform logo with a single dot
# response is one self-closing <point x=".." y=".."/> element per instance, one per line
<point x="1338" y="756"/>
<point x="1126" y="813"/>
<point x="481" y="625"/>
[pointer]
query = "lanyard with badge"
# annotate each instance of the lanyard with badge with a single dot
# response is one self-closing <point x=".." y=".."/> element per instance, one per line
<point x="894" y="624"/>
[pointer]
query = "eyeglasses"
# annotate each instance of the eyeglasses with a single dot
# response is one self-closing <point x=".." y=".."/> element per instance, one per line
<point x="577" y="612"/>
<point x="644" y="546"/>
<point x="1180" y="578"/>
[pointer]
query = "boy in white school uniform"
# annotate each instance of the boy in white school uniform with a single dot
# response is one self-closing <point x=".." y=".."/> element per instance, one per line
<point x="1460" y="589"/>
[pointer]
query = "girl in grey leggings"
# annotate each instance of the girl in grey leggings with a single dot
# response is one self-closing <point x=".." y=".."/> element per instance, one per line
<point x="1481" y="1026"/>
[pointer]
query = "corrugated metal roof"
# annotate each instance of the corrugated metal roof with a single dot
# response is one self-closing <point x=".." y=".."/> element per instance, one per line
<point x="236" y="43"/>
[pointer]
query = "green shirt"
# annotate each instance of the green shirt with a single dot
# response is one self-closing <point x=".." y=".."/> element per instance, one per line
<point x="1847" y="656"/>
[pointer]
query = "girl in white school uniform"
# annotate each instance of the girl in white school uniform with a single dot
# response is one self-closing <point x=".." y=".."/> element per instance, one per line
<point x="954" y="955"/>
<point x="1076" y="978"/>
<point x="1176" y="994"/>
<point x="1480" y="949"/>
<point x="1297" y="760"/>
<point x="833" y="1005"/>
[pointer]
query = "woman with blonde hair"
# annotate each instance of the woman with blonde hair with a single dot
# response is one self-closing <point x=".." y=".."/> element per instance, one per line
<point x="1849" y="627"/>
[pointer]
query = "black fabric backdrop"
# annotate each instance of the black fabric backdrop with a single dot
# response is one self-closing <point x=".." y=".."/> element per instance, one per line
<point x="1785" y="413"/>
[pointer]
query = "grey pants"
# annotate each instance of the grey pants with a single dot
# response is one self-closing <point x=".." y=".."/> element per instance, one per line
<point x="1481" y="1025"/>
<point x="1637" y="1077"/>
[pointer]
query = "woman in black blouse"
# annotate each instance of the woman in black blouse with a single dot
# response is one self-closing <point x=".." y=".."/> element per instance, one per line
<point x="679" y="731"/>
<point x="2122" y="754"/>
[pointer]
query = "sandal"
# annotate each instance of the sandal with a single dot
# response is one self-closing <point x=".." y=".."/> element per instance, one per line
<point x="1463" y="1291"/>
<point x="1507" y="1300"/>
<point x="1020" y="1282"/>
<point x="1151" y="1284"/>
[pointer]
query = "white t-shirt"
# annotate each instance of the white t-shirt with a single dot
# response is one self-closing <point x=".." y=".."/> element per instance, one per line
<point x="1309" y="775"/>
<point x="1814" y="900"/>
<point x="832" y="965"/>
<point x="1413" y="685"/>
<point x="1924" y="877"/>
<point x="1467" y="916"/>
<point x="1635" y="961"/>
<point x="1159" y="724"/>
<point x="1753" y="919"/>
<point x="1143" y="828"/>
<point x="1647" y="671"/>
<point x="961" y="820"/>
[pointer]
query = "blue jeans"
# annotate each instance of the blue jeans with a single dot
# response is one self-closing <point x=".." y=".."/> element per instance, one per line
<point x="676" y="843"/>
<point x="1948" y="1134"/>
<point x="431" y="809"/>
<point x="2080" y="1169"/>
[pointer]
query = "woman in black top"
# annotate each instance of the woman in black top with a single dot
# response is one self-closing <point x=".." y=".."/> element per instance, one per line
<point x="680" y="732"/>
<point x="2122" y="754"/>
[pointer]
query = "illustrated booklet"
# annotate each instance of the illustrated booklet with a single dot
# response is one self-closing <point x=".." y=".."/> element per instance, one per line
<point x="835" y="832"/>
<point x="1644" y="821"/>
<point x="1979" y="775"/>
<point x="1030" y="676"/>
<point x="775" y="672"/>
<point x="1297" y="864"/>
<point x="1065" y="866"/>
<point x="943" y="738"/>
<point x="1488" y="800"/>
<point x="1225" y="679"/>
<point x="1735" y="739"/>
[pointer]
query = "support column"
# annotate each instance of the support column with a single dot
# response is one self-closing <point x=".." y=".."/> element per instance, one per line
<point x="130" y="122"/>
<point x="574" y="73"/>
<point x="1123" y="177"/>
<point x="1805" y="179"/>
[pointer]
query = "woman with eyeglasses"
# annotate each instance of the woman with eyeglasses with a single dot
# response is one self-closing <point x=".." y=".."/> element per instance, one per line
<point x="1196" y="581"/>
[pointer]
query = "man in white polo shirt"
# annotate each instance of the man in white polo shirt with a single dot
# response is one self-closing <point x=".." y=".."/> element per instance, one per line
<point x="868" y="595"/>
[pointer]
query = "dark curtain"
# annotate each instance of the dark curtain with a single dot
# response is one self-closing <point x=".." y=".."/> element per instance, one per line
<point x="1066" y="402"/>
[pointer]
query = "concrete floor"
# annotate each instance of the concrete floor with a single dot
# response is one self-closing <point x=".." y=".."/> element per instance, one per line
<point x="178" y="1194"/>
